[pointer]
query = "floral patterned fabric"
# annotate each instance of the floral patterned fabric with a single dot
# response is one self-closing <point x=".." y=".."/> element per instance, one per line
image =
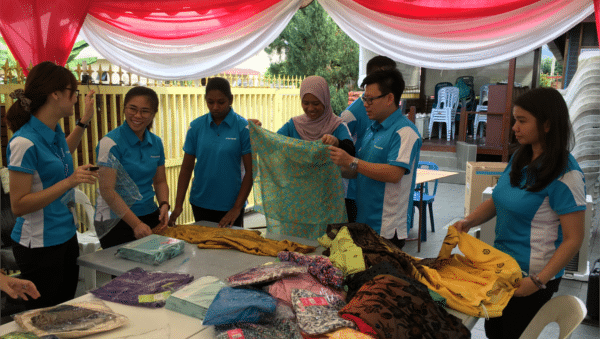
<point x="282" y="289"/>
<point x="278" y="328"/>
<point x="393" y="308"/>
<point x="297" y="186"/>
<point x="315" y="315"/>
<point x="265" y="273"/>
<point x="319" y="266"/>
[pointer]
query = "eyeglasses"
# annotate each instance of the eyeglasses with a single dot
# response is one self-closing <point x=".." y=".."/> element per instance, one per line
<point x="144" y="112"/>
<point x="369" y="101"/>
<point x="76" y="91"/>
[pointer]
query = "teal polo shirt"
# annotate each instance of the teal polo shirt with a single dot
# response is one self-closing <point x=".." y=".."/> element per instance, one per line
<point x="289" y="130"/>
<point x="37" y="150"/>
<point x="218" y="151"/>
<point x="384" y="206"/>
<point x="139" y="158"/>
<point x="355" y="117"/>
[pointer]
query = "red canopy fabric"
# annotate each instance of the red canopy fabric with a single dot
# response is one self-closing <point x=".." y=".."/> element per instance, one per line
<point x="167" y="39"/>
<point x="37" y="31"/>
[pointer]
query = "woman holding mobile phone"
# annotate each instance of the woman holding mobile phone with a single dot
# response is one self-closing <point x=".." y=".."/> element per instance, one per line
<point x="41" y="172"/>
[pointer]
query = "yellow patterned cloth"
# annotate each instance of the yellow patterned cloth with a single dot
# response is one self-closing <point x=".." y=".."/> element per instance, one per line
<point x="480" y="283"/>
<point x="226" y="238"/>
<point x="296" y="185"/>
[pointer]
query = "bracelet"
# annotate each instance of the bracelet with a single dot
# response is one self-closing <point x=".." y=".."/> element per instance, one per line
<point x="81" y="124"/>
<point x="536" y="280"/>
<point x="164" y="203"/>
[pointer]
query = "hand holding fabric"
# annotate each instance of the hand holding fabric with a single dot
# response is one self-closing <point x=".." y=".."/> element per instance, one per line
<point x="339" y="156"/>
<point x="329" y="139"/>
<point x="526" y="288"/>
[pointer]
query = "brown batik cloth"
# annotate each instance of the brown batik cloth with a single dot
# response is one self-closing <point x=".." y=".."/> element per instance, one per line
<point x="377" y="249"/>
<point x="393" y="308"/>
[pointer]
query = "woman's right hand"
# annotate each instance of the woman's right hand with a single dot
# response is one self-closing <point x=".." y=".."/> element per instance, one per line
<point x="83" y="175"/>
<point x="142" y="230"/>
<point x="463" y="225"/>
<point x="175" y="214"/>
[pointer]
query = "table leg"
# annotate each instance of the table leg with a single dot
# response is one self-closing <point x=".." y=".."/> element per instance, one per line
<point x="419" y="235"/>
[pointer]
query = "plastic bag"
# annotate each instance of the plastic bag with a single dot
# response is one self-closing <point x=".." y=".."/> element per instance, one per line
<point x="233" y="305"/>
<point x="106" y="218"/>
<point x="138" y="287"/>
<point x="71" y="320"/>
<point x="152" y="250"/>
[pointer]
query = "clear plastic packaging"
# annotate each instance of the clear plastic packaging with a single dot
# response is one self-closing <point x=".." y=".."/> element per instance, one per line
<point x="152" y="250"/>
<point x="71" y="320"/>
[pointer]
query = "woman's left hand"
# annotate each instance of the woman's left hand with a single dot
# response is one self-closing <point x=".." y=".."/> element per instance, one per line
<point x="230" y="217"/>
<point x="89" y="107"/>
<point x="526" y="288"/>
<point x="329" y="139"/>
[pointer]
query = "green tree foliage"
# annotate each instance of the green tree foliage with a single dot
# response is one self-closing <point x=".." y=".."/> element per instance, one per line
<point x="312" y="44"/>
<point x="546" y="69"/>
<point x="72" y="62"/>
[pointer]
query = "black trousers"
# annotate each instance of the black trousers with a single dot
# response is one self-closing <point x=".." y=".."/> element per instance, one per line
<point x="52" y="269"/>
<point x="215" y="216"/>
<point x="351" y="210"/>
<point x="123" y="233"/>
<point x="518" y="313"/>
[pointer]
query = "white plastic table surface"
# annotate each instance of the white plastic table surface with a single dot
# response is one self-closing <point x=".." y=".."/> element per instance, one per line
<point x="198" y="262"/>
<point x="144" y="323"/>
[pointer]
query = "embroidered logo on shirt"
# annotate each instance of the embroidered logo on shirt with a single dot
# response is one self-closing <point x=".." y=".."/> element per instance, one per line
<point x="230" y="138"/>
<point x="155" y="156"/>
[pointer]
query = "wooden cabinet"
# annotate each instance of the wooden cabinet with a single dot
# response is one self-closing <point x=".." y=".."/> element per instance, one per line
<point x="497" y="104"/>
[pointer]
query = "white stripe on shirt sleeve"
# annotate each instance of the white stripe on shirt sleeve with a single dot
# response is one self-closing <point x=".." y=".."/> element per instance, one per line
<point x="18" y="148"/>
<point x="104" y="147"/>
<point x="408" y="137"/>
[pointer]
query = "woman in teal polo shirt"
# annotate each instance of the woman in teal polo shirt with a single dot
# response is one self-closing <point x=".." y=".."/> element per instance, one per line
<point x="141" y="154"/>
<point x="41" y="173"/>
<point x="220" y="140"/>
<point x="318" y="121"/>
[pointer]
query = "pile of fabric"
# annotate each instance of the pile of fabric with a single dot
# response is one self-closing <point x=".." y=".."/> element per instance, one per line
<point x="361" y="287"/>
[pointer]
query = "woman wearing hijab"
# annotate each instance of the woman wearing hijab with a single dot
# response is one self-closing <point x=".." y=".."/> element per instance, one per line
<point x="318" y="121"/>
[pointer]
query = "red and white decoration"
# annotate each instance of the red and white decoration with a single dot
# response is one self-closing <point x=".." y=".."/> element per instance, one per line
<point x="187" y="39"/>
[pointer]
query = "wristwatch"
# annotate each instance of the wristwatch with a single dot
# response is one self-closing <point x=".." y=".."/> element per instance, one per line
<point x="354" y="164"/>
<point x="81" y="124"/>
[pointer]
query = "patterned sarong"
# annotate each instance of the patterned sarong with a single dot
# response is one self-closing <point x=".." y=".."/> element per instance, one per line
<point x="297" y="186"/>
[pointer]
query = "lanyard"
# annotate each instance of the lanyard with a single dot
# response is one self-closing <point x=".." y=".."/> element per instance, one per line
<point x="62" y="158"/>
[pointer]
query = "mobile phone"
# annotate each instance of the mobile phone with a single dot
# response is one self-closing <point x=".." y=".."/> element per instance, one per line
<point x="94" y="168"/>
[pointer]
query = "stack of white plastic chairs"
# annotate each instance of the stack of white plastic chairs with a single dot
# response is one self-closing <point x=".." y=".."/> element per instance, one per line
<point x="583" y="99"/>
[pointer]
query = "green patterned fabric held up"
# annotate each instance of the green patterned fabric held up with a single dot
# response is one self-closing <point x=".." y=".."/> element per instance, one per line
<point x="297" y="186"/>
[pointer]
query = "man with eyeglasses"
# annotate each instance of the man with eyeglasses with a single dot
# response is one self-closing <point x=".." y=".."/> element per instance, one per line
<point x="355" y="117"/>
<point x="387" y="158"/>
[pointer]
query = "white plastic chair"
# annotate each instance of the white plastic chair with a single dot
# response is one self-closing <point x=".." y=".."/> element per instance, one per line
<point x="482" y="107"/>
<point x="445" y="111"/>
<point x="566" y="310"/>
<point x="88" y="240"/>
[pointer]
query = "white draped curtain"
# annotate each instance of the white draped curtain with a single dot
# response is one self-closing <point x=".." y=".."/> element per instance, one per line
<point x="188" y="39"/>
